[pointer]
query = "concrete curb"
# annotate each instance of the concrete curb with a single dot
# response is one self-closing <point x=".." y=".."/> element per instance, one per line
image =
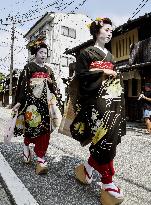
<point x="19" y="194"/>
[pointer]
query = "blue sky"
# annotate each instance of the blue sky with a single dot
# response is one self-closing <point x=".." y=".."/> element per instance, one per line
<point x="119" y="11"/>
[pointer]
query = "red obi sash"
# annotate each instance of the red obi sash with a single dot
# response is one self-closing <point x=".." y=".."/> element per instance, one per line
<point x="101" y="65"/>
<point x="40" y="75"/>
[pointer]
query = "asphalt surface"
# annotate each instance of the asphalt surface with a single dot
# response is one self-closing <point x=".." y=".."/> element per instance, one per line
<point x="4" y="198"/>
<point x="59" y="187"/>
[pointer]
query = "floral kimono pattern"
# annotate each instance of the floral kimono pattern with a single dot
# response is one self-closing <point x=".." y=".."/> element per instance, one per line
<point x="39" y="113"/>
<point x="99" y="107"/>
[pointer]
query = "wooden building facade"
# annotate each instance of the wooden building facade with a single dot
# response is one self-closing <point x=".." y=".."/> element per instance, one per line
<point x="131" y="48"/>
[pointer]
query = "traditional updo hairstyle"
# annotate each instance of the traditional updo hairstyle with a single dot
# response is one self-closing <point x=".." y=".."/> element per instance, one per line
<point x="35" y="48"/>
<point x="97" y="25"/>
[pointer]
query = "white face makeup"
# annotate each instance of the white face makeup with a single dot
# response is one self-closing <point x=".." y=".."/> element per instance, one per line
<point x="105" y="34"/>
<point x="41" y="55"/>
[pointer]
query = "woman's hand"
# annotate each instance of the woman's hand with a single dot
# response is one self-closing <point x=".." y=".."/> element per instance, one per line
<point x="141" y="96"/>
<point x="16" y="107"/>
<point x="47" y="65"/>
<point x="110" y="72"/>
<point x="49" y="80"/>
<point x="106" y="71"/>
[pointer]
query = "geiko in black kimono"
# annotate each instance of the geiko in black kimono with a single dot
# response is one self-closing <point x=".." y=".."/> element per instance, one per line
<point x="100" y="106"/>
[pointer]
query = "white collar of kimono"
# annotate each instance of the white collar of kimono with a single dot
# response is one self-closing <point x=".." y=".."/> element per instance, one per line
<point x="104" y="50"/>
<point x="41" y="65"/>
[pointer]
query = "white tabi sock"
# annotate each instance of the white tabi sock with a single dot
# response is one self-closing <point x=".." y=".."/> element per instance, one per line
<point x="26" y="150"/>
<point x="118" y="193"/>
<point x="89" y="169"/>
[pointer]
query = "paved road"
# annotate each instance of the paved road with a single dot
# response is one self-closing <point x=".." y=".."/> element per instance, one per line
<point x="59" y="187"/>
<point x="4" y="198"/>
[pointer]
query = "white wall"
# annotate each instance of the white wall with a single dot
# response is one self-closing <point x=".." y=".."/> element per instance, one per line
<point x="60" y="43"/>
<point x="79" y="23"/>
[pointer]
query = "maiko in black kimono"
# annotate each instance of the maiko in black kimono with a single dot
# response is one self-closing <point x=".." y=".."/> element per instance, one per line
<point x="36" y="96"/>
<point x="99" y="106"/>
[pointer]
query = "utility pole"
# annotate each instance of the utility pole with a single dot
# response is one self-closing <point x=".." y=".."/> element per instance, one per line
<point x="11" y="65"/>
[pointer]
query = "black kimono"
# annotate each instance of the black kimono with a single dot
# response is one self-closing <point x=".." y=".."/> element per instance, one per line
<point x="99" y="107"/>
<point x="32" y="93"/>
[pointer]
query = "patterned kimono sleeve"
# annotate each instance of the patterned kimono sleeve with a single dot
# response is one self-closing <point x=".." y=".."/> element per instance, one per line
<point x="21" y="90"/>
<point x="55" y="90"/>
<point x="89" y="81"/>
<point x="53" y="85"/>
<point x="123" y="111"/>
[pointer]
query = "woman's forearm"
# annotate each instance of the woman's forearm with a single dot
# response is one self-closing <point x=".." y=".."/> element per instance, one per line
<point x="148" y="99"/>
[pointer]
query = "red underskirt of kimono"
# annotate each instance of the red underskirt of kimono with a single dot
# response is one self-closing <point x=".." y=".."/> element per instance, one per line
<point x="101" y="65"/>
<point x="40" y="75"/>
<point x="106" y="170"/>
<point x="41" y="143"/>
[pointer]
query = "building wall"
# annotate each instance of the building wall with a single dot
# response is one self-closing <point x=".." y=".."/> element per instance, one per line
<point x="133" y="77"/>
<point x="121" y="44"/>
<point x="59" y="41"/>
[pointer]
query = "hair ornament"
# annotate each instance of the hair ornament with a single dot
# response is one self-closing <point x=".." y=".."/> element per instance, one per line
<point x="98" y="20"/>
<point x="36" y="43"/>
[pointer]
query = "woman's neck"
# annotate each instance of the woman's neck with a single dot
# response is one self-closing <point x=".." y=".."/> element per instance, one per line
<point x="100" y="44"/>
<point x="39" y="63"/>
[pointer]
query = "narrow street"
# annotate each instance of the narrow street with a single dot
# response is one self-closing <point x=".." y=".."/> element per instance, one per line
<point x="59" y="187"/>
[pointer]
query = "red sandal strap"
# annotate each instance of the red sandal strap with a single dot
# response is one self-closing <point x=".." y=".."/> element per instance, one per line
<point x="27" y="157"/>
<point x="86" y="173"/>
<point x="114" y="190"/>
<point x="41" y="162"/>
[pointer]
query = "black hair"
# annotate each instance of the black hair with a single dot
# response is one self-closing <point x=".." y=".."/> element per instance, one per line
<point x="34" y="49"/>
<point x="97" y="25"/>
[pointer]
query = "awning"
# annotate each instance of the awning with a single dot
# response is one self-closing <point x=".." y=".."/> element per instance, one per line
<point x="131" y="67"/>
<point x="131" y="74"/>
<point x="140" y="52"/>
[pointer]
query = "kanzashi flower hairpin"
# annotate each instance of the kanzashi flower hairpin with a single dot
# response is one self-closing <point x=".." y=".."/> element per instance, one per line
<point x="36" y="43"/>
<point x="98" y="20"/>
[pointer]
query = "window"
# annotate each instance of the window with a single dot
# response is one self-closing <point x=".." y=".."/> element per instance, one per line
<point x="69" y="32"/>
<point x="64" y="31"/>
<point x="72" y="33"/>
